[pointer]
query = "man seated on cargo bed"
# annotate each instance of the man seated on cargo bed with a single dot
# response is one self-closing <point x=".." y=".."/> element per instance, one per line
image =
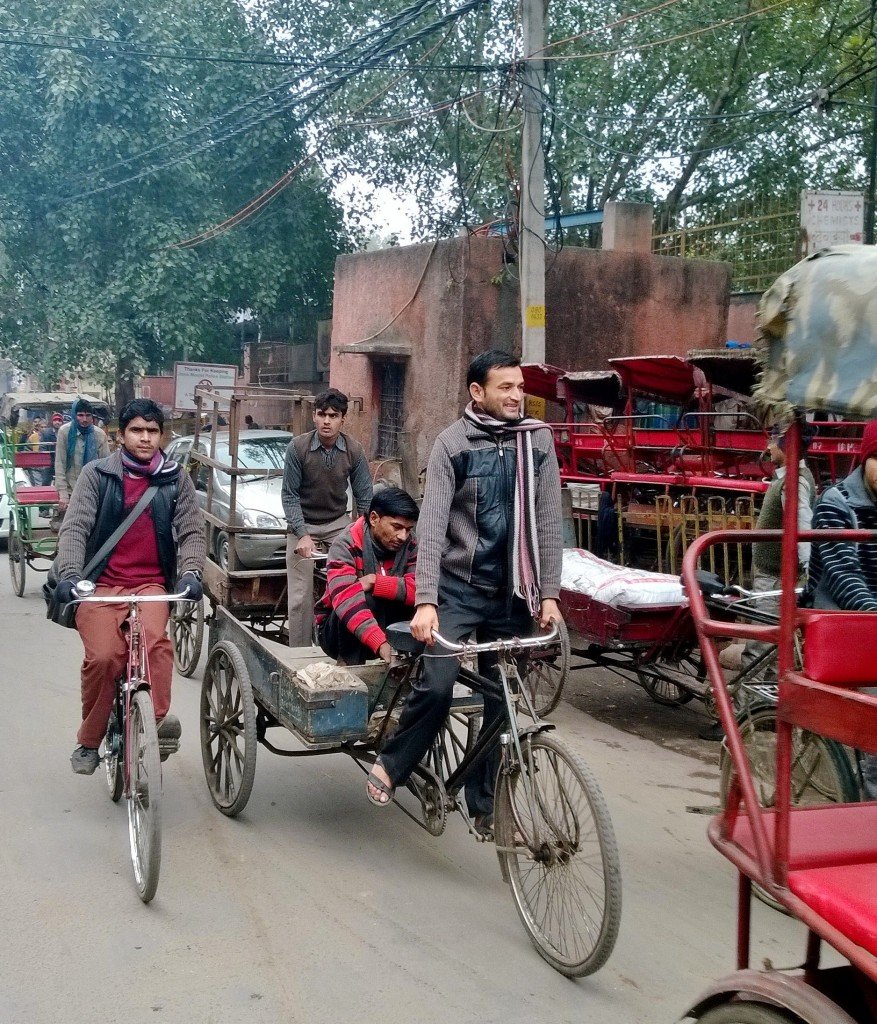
<point x="370" y="580"/>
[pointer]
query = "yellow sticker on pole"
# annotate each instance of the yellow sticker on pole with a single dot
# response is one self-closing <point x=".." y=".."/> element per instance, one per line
<point x="535" y="316"/>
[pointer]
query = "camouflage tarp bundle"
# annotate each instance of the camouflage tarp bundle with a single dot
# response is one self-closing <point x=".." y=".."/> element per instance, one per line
<point x="818" y="334"/>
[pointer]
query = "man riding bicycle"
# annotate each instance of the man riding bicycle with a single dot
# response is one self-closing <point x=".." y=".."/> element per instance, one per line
<point x="167" y="538"/>
<point x="489" y="559"/>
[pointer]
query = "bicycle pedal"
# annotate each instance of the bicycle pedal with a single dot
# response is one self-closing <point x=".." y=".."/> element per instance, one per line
<point x="167" y="747"/>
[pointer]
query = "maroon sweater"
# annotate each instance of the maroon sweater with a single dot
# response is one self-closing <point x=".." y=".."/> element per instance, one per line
<point x="134" y="561"/>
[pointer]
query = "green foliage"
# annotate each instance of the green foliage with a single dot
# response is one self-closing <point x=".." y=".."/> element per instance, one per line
<point x="92" y="283"/>
<point x="679" y="104"/>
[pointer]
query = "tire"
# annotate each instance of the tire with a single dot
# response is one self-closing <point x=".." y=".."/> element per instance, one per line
<point x="114" y="760"/>
<point x="567" y="864"/>
<point x="17" y="559"/>
<point x="228" y="729"/>
<point x="821" y="769"/>
<point x="659" y="685"/>
<point x="747" y="1013"/>
<point x="544" y="673"/>
<point x="220" y="551"/>
<point x="187" y="630"/>
<point x="144" y="802"/>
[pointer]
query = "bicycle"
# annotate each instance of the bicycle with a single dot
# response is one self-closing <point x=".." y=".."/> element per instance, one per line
<point x="131" y="755"/>
<point x="552" y="829"/>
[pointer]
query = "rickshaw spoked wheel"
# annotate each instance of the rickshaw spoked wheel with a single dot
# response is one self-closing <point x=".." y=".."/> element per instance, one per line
<point x="228" y="729"/>
<point x="656" y="680"/>
<point x="544" y="672"/>
<point x="187" y="626"/>
<point x="746" y="1013"/>
<point x="17" y="558"/>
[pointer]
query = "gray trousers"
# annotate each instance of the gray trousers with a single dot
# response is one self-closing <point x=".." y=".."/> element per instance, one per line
<point x="755" y="648"/>
<point x="300" y="580"/>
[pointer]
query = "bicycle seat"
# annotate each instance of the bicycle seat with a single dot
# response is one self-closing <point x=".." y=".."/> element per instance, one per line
<point x="400" y="639"/>
<point x="710" y="584"/>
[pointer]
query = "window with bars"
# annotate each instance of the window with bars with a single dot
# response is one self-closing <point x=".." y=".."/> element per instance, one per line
<point x="391" y="380"/>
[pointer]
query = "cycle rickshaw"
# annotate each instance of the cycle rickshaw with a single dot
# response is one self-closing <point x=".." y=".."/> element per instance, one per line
<point x="817" y="862"/>
<point x="31" y="542"/>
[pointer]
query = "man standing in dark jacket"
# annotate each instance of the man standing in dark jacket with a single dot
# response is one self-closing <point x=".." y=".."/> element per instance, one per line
<point x="167" y="539"/>
<point x="488" y="560"/>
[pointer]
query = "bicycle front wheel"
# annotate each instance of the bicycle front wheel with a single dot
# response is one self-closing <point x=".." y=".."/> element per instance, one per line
<point x="557" y="848"/>
<point x="144" y="797"/>
<point x="17" y="558"/>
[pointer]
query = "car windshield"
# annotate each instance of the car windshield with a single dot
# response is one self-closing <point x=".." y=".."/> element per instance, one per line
<point x="257" y="453"/>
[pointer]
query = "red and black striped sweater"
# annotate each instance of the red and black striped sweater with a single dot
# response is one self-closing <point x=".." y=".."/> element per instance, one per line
<point x="344" y="592"/>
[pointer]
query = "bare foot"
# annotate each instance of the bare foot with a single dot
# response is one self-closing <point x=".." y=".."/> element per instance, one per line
<point x="376" y="795"/>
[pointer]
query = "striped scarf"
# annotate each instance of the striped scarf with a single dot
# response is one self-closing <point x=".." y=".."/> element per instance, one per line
<point x="157" y="465"/>
<point x="525" y="563"/>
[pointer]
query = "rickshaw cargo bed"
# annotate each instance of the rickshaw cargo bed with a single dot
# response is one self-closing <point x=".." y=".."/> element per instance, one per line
<point x="328" y="715"/>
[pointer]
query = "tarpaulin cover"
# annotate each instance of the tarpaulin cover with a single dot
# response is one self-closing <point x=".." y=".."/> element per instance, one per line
<point x="818" y="333"/>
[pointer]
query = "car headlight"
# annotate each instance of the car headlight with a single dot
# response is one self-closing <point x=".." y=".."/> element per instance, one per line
<point x="261" y="520"/>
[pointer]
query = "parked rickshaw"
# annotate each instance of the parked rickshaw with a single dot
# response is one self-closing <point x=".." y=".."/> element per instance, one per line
<point x="819" y="862"/>
<point x="31" y="542"/>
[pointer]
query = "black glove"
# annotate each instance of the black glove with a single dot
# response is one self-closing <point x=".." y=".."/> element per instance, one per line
<point x="190" y="585"/>
<point x="65" y="592"/>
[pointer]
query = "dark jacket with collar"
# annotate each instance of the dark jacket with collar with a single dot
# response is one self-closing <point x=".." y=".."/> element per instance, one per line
<point x="844" y="575"/>
<point x="465" y="520"/>
<point x="97" y="508"/>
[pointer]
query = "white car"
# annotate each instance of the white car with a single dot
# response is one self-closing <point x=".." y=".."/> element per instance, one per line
<point x="36" y="518"/>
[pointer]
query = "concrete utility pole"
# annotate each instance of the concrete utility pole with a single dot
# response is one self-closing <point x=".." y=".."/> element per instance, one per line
<point x="532" y="213"/>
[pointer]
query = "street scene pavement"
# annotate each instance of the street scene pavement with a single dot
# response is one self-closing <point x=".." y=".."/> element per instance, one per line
<point x="314" y="906"/>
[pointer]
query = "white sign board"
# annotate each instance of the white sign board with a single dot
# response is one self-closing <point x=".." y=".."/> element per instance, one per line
<point x="832" y="218"/>
<point x="188" y="376"/>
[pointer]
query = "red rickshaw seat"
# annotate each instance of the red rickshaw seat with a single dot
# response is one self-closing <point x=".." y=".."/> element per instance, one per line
<point x="34" y="460"/>
<point x="844" y="896"/>
<point x="37" y="495"/>
<point x="839" y="647"/>
<point x="822" y="835"/>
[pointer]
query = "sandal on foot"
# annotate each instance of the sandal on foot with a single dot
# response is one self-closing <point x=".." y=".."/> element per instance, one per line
<point x="483" y="825"/>
<point x="382" y="787"/>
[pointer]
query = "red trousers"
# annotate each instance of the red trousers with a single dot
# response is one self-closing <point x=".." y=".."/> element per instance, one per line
<point x="106" y="657"/>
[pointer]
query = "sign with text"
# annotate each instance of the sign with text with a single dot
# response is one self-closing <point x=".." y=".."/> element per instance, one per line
<point x="188" y="376"/>
<point x="832" y="218"/>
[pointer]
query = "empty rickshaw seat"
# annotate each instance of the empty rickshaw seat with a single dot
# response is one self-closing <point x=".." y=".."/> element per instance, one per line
<point x="844" y="896"/>
<point x="839" y="647"/>
<point x="824" y="835"/>
<point x="37" y="495"/>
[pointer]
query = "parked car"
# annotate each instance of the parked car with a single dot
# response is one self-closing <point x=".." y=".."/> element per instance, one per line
<point x="36" y="518"/>
<point x="258" y="497"/>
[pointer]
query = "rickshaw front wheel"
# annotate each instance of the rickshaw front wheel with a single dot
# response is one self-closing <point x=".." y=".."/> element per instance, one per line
<point x="17" y="560"/>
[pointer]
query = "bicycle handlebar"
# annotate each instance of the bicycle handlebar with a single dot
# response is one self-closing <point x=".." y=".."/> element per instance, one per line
<point x="131" y="598"/>
<point x="510" y="644"/>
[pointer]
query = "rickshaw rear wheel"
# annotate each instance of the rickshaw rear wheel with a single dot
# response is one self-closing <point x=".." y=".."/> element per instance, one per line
<point x="187" y="626"/>
<point x="747" y="1013"/>
<point x="17" y="559"/>
<point x="544" y="673"/>
<point x="228" y="729"/>
<point x="663" y="690"/>
<point x="556" y="846"/>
